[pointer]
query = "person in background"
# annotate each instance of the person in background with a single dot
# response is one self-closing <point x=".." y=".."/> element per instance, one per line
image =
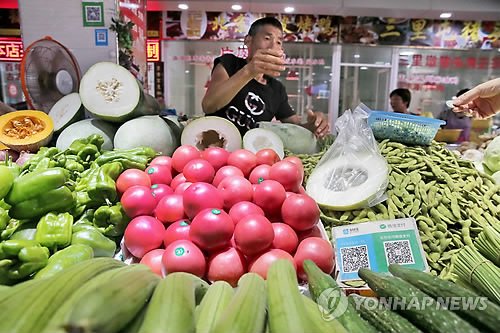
<point x="400" y="100"/>
<point x="457" y="120"/>
<point x="245" y="92"/>
<point x="482" y="101"/>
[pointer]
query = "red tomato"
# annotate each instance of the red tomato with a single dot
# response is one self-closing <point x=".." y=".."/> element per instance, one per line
<point x="302" y="190"/>
<point x="313" y="232"/>
<point x="259" y="174"/>
<point x="198" y="171"/>
<point x="267" y="156"/>
<point x="131" y="177"/>
<point x="163" y="160"/>
<point x="261" y="264"/>
<point x="243" y="159"/>
<point x="152" y="259"/>
<point x="176" y="231"/>
<point x="285" y="238"/>
<point x="235" y="189"/>
<point x="183" y="155"/>
<point x="161" y="190"/>
<point x="297" y="161"/>
<point x="199" y="196"/>
<point x="289" y="194"/>
<point x="179" y="179"/>
<point x="300" y="212"/>
<point x="254" y="186"/>
<point x="318" y="250"/>
<point x="183" y="256"/>
<point x="242" y="209"/>
<point x="269" y="195"/>
<point x="159" y="174"/>
<point x="287" y="174"/>
<point x="211" y="229"/>
<point x="226" y="171"/>
<point x="181" y="188"/>
<point x="253" y="234"/>
<point x="227" y="265"/>
<point x="170" y="208"/>
<point x="215" y="156"/>
<point x="138" y="200"/>
<point x="143" y="234"/>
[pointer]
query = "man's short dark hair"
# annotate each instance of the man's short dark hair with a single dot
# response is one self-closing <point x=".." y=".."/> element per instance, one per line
<point x="256" y="25"/>
<point x="404" y="94"/>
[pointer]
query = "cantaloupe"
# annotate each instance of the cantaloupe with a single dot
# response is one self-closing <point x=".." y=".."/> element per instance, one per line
<point x="83" y="129"/>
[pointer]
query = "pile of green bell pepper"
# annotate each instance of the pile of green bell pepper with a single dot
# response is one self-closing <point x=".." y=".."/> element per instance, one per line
<point x="136" y="158"/>
<point x="54" y="231"/>
<point x="21" y="258"/>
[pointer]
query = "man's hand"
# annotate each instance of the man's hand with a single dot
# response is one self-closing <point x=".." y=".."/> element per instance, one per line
<point x="266" y="61"/>
<point x="317" y="123"/>
<point x="483" y="100"/>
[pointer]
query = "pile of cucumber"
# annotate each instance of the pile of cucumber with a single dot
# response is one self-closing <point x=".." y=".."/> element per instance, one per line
<point x="408" y="286"/>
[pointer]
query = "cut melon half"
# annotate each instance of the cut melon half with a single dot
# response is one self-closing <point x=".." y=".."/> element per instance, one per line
<point x="347" y="183"/>
<point x="66" y="111"/>
<point x="295" y="138"/>
<point x="257" y="139"/>
<point x="211" y="131"/>
<point x="110" y="92"/>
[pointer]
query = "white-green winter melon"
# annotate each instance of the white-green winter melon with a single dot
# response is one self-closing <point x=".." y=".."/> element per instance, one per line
<point x="258" y="138"/>
<point x="211" y="131"/>
<point x="111" y="92"/>
<point x="297" y="139"/>
<point x="83" y="129"/>
<point x="66" y="111"/>
<point x="147" y="131"/>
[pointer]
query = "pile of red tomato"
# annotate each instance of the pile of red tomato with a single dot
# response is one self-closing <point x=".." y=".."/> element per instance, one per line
<point x="219" y="215"/>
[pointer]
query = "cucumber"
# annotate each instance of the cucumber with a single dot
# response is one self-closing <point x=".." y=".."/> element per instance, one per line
<point x="246" y="313"/>
<point x="486" y="316"/>
<point x="347" y="315"/>
<point x="213" y="306"/>
<point x="415" y="305"/>
<point x="314" y="310"/>
<point x="383" y="319"/>
<point x="66" y="111"/>
<point x="171" y="309"/>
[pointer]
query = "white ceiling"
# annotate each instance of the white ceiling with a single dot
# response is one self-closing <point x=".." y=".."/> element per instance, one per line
<point x="484" y="10"/>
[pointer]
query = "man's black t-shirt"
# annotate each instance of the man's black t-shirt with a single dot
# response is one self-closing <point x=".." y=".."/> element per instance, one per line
<point x="255" y="101"/>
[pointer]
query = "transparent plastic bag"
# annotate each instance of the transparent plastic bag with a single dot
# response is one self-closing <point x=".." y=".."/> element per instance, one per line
<point x="352" y="174"/>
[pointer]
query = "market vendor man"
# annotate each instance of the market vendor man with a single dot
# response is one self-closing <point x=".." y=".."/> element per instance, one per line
<point x="245" y="90"/>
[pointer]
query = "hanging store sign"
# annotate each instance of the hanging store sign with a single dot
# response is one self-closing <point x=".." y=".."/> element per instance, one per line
<point x="419" y="60"/>
<point x="11" y="49"/>
<point x="153" y="50"/>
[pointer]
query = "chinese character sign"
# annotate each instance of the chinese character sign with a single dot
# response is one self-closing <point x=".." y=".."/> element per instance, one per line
<point x="135" y="11"/>
<point x="11" y="49"/>
<point x="153" y="50"/>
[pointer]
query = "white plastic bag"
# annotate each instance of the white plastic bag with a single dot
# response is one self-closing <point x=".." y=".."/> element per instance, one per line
<point x="352" y="174"/>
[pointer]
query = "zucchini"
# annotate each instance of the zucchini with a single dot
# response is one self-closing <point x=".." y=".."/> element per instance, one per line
<point x="485" y="316"/>
<point x="171" y="309"/>
<point x="32" y="307"/>
<point x="104" y="308"/>
<point x="383" y="319"/>
<point x="286" y="309"/>
<point x="415" y="305"/>
<point x="246" y="313"/>
<point x="347" y="315"/>
<point x="212" y="306"/>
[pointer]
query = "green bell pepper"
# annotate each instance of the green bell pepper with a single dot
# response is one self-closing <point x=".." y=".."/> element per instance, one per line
<point x="136" y="158"/>
<point x="5" y="205"/>
<point x="35" y="184"/>
<point x="65" y="258"/>
<point x="25" y="231"/>
<point x="101" y="187"/>
<point x="111" y="221"/>
<point x="54" y="231"/>
<point x="21" y="258"/>
<point x="87" y="149"/>
<point x="12" y="226"/>
<point x="6" y="181"/>
<point x="60" y="199"/>
<point x="89" y="235"/>
<point x="4" y="219"/>
<point x="86" y="218"/>
<point x="43" y="152"/>
<point x="13" y="167"/>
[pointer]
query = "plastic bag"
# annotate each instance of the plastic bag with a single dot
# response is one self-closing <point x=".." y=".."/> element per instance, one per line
<point x="352" y="174"/>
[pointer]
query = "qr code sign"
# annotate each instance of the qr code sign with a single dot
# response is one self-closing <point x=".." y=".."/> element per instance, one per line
<point x="398" y="252"/>
<point x="101" y="37"/>
<point x="354" y="258"/>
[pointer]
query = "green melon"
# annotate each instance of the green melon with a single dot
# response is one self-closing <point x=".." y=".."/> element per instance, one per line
<point x="211" y="131"/>
<point x="297" y="139"/>
<point x="83" y="129"/>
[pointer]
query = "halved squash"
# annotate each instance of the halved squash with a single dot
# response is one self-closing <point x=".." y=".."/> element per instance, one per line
<point x="26" y="130"/>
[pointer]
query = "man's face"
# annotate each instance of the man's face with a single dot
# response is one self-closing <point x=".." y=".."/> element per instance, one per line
<point x="267" y="37"/>
<point x="397" y="104"/>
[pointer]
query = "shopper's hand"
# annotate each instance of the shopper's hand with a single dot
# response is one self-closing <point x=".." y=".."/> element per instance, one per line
<point x="483" y="101"/>
<point x="266" y="61"/>
<point x="317" y="123"/>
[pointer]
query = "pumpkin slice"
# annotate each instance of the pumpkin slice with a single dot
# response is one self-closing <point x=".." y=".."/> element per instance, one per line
<point x="26" y="130"/>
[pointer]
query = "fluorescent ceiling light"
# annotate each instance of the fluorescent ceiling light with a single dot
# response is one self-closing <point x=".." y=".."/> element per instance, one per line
<point x="406" y="53"/>
<point x="289" y="9"/>
<point x="363" y="67"/>
<point x="236" y="7"/>
<point x="183" y="6"/>
<point x="445" y="15"/>
<point x="357" y="56"/>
